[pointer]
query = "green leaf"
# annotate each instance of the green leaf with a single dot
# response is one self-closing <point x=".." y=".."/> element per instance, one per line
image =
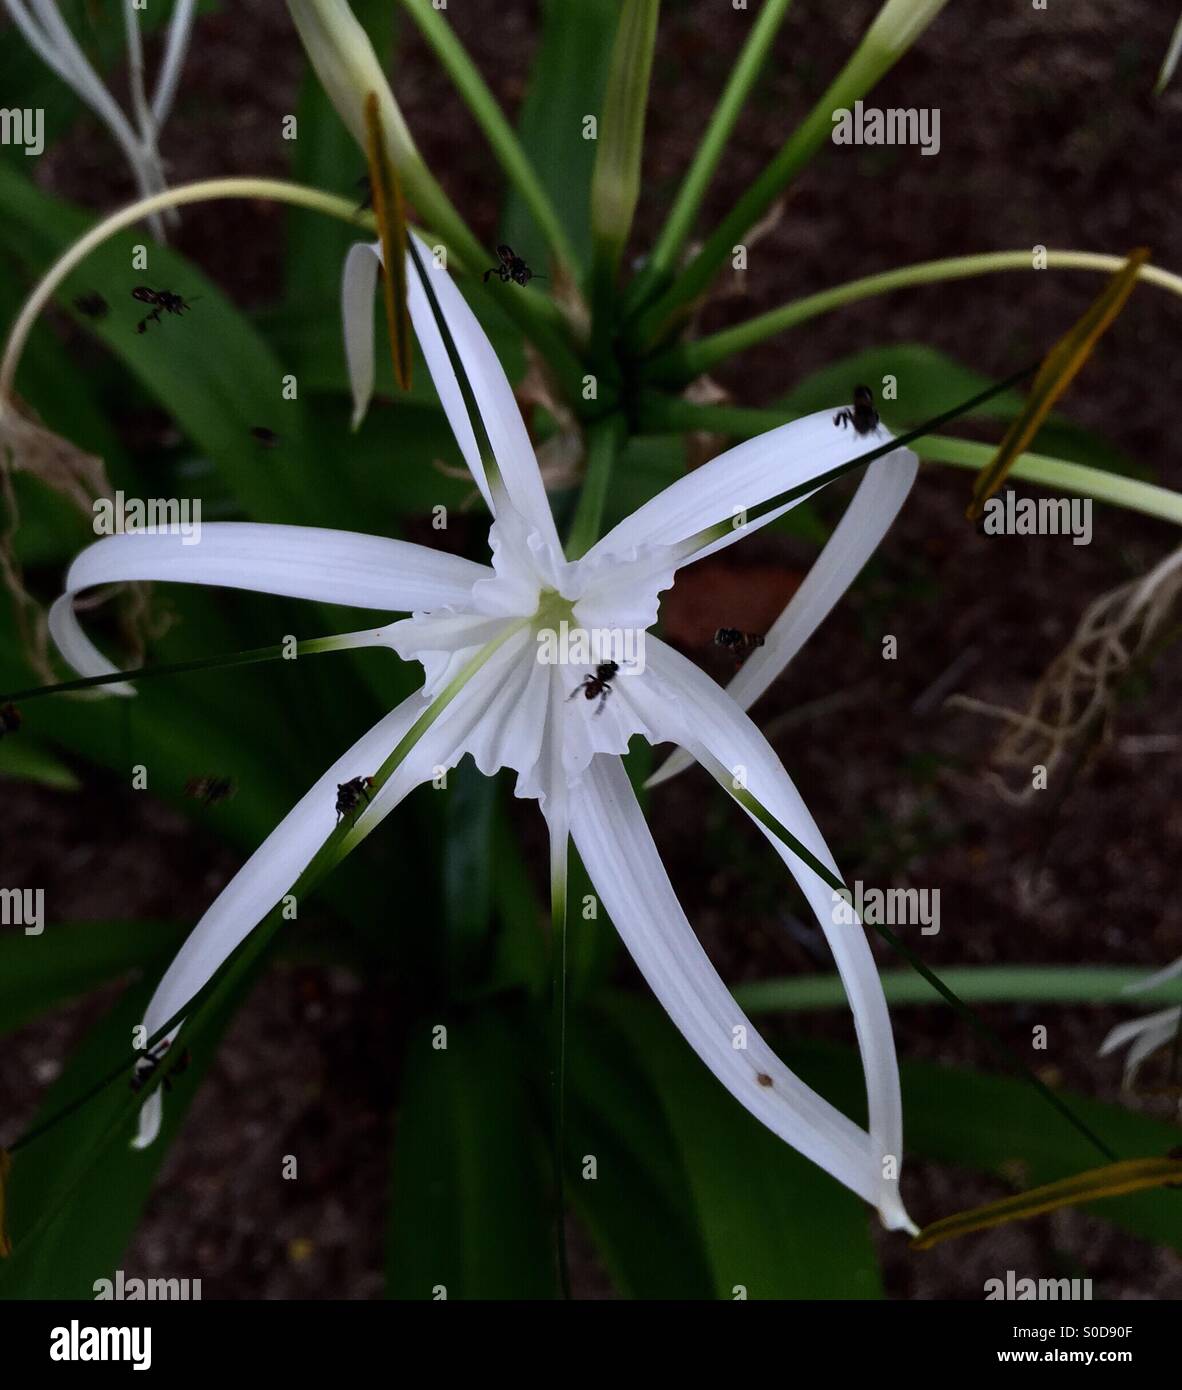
<point x="209" y="368"/>
<point x="773" y="1223"/>
<point x="25" y="760"/>
<point x="70" y="958"/>
<point x="995" y="1124"/>
<point x="614" y="1113"/>
<point x="469" y="1212"/>
<point x="520" y="959"/>
<point x="566" y="83"/>
<point x="469" y="807"/>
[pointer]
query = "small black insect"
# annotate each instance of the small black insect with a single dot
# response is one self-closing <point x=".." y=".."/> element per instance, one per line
<point x="597" y="685"/>
<point x="210" y="790"/>
<point x="262" y="435"/>
<point x="150" y="1061"/>
<point x="94" y="306"/>
<point x="739" y="644"/>
<point x="511" y="267"/>
<point x="10" y="719"/>
<point x="863" y="417"/>
<point x="162" y="301"/>
<point x="366" y="189"/>
<point x="350" y="796"/>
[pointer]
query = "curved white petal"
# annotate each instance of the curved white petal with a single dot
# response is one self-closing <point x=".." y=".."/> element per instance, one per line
<point x="729" y="486"/>
<point x="683" y="704"/>
<point x="358" y="284"/>
<point x="498" y="408"/>
<point x="615" y="844"/>
<point x="493" y="394"/>
<point x="1159" y="977"/>
<point x="295" y="561"/>
<point x="272" y="869"/>
<point x="869" y="516"/>
<point x="1132" y="1028"/>
<point x="1146" y="1035"/>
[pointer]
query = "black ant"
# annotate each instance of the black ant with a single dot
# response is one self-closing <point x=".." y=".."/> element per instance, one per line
<point x="10" y="719"/>
<point x="149" y="1062"/>
<point x="863" y="416"/>
<point x="739" y="644"/>
<point x="210" y="790"/>
<point x="350" y="796"/>
<point x="511" y="267"/>
<point x="597" y="685"/>
<point x="163" y="301"/>
<point x="262" y="435"/>
<point x="94" y="306"/>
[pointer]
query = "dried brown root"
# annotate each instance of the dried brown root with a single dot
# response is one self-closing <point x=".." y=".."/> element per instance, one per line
<point x="1077" y="695"/>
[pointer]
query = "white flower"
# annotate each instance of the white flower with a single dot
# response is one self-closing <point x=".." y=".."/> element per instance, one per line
<point x="41" y="24"/>
<point x="476" y="630"/>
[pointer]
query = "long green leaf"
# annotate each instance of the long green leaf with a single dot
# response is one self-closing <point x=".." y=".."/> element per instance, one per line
<point x="469" y="1212"/>
<point x="774" y="1225"/>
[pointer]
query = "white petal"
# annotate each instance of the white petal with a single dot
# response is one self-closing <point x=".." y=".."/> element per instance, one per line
<point x="697" y="713"/>
<point x="295" y="561"/>
<point x="867" y="519"/>
<point x="506" y="430"/>
<point x="272" y="869"/>
<point x="1159" y="977"/>
<point x="1132" y="1028"/>
<point x="358" y="285"/>
<point x="615" y="844"/>
<point x="498" y="408"/>
<point x="743" y="478"/>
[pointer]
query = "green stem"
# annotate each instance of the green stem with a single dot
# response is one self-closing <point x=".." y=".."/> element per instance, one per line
<point x="896" y="27"/>
<point x="537" y="318"/>
<point x="251" y="657"/>
<point x="500" y="134"/>
<point x="604" y="440"/>
<point x="1130" y="493"/>
<point x="680" y="221"/>
<point x="683" y="363"/>
<point x="975" y="984"/>
<point x="559" y="847"/>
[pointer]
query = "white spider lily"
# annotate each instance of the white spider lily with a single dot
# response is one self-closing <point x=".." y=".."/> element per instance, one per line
<point x="41" y="25"/>
<point x="476" y="631"/>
